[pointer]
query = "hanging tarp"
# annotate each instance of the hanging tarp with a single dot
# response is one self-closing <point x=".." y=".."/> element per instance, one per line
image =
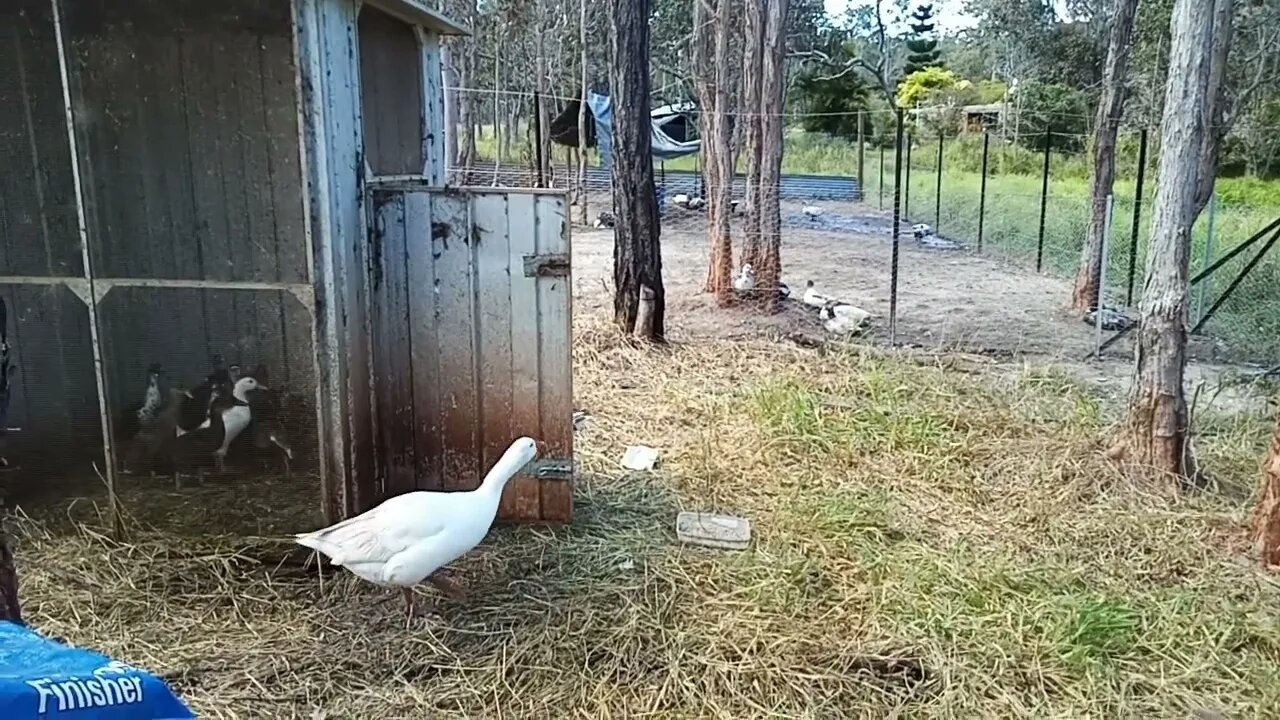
<point x="564" y="127"/>
<point x="665" y="121"/>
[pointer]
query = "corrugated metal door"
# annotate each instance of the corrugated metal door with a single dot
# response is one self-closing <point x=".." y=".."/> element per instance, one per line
<point x="470" y="312"/>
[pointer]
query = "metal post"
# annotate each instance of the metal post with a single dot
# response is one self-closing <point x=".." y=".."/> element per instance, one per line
<point x="1208" y="252"/>
<point x="893" y="267"/>
<point x="906" y="183"/>
<point x="537" y="135"/>
<point x="86" y="258"/>
<point x="982" y="192"/>
<point x="1102" y="273"/>
<point x="937" y="199"/>
<point x="862" y="178"/>
<point x="1044" y="197"/>
<point x="881" y="177"/>
<point x="1137" y="215"/>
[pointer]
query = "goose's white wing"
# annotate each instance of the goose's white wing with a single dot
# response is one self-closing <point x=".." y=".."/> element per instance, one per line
<point x="380" y="534"/>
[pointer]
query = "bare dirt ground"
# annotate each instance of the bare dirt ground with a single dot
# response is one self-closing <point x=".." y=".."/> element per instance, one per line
<point x="948" y="300"/>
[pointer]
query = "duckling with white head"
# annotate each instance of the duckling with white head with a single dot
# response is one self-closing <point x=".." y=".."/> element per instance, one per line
<point x="408" y="538"/>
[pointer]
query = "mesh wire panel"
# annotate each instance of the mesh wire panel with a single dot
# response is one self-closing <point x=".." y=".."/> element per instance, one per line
<point x="1245" y="322"/>
<point x="186" y="131"/>
<point x="49" y="396"/>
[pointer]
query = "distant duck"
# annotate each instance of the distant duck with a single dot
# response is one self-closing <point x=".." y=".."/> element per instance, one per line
<point x="145" y="446"/>
<point x="407" y="539"/>
<point x="745" y="280"/>
<point x="921" y="231"/>
<point x="194" y="410"/>
<point x="238" y="416"/>
<point x="697" y="203"/>
<point x="142" y="415"/>
<point x="195" y="451"/>
<point x="680" y="200"/>
<point x="842" y="318"/>
<point x="784" y="292"/>
<point x="813" y="298"/>
<point x="812" y="211"/>
<point x="605" y="220"/>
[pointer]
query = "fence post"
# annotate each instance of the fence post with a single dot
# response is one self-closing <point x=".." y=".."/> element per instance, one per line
<point x="862" y="178"/>
<point x="982" y="192"/>
<point x="881" y="177"/>
<point x="937" y="200"/>
<point x="1137" y="215"/>
<point x="1208" y="253"/>
<point x="1102" y="274"/>
<point x="1044" y="196"/>
<point x="537" y="136"/>
<point x="893" y="267"/>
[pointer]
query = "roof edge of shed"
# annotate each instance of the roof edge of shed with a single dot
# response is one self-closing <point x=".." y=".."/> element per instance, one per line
<point x="417" y="12"/>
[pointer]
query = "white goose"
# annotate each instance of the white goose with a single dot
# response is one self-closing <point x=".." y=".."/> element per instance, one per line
<point x="745" y="281"/>
<point x="842" y="318"/>
<point x="407" y="538"/>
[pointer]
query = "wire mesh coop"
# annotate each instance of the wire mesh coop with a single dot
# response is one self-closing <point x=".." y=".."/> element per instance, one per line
<point x="196" y="294"/>
<point x="183" y="258"/>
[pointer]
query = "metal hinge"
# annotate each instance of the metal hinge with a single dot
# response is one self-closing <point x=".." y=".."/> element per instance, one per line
<point x="553" y="469"/>
<point x="546" y="265"/>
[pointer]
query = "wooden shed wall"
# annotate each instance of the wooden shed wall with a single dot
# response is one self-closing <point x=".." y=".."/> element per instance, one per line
<point x="330" y="72"/>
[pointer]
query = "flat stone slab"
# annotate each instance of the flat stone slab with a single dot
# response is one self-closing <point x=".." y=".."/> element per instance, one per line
<point x="640" y="457"/>
<point x="713" y="530"/>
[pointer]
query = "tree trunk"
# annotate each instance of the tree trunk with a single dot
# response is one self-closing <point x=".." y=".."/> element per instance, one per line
<point x="713" y="93"/>
<point x="1216" y="124"/>
<point x="448" y="61"/>
<point x="1156" y="433"/>
<point x="637" y="254"/>
<point x="1266" y="516"/>
<point x="752" y="52"/>
<point x="1114" y="73"/>
<point x="581" y="189"/>
<point x="467" y="112"/>
<point x="542" y="154"/>
<point x="772" y="97"/>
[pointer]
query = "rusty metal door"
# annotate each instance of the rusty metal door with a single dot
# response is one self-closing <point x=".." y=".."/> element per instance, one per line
<point x="470" y="312"/>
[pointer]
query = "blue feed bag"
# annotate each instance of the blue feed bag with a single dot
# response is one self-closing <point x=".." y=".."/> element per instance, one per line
<point x="40" y="678"/>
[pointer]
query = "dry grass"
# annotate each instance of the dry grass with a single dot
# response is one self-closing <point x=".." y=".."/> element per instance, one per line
<point x="933" y="539"/>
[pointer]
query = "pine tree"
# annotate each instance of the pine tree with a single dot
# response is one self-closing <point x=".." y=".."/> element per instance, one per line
<point x="923" y="45"/>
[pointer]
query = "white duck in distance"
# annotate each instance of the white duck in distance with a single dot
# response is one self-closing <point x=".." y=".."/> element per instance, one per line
<point x="842" y="318"/>
<point x="745" y="281"/>
<point x="813" y="298"/>
<point x="408" y="538"/>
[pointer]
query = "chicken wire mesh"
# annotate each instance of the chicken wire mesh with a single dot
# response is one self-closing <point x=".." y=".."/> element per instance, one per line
<point x="182" y="349"/>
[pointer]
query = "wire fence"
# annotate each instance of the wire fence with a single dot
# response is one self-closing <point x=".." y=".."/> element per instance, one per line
<point x="1039" y="221"/>
<point x="1018" y="195"/>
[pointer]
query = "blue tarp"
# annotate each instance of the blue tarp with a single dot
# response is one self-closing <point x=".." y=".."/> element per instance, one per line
<point x="40" y="678"/>
<point x="664" y="147"/>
